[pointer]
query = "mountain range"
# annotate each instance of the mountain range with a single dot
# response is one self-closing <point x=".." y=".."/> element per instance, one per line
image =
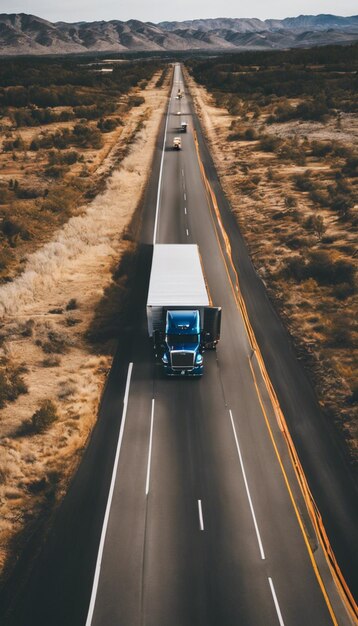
<point x="21" y="33"/>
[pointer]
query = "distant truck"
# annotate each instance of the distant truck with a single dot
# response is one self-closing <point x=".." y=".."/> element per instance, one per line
<point x="183" y="127"/>
<point x="180" y="93"/>
<point x="177" y="143"/>
<point x="181" y="320"/>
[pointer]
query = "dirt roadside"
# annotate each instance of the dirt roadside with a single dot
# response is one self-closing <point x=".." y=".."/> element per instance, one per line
<point x="45" y="314"/>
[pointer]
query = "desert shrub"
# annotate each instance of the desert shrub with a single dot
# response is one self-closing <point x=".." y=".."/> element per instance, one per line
<point x="343" y="291"/>
<point x="70" y="157"/>
<point x="283" y="113"/>
<point x="11" y="382"/>
<point x="55" y="342"/>
<point x="4" y="195"/>
<point x="14" y="144"/>
<point x="303" y="182"/>
<point x="72" y="305"/>
<point x="248" y="184"/>
<point x="61" y="139"/>
<point x="315" y="224"/>
<point x="295" y="268"/>
<point x="51" y="361"/>
<point x="328" y="239"/>
<point x="313" y="110"/>
<point x="343" y="205"/>
<point x="12" y="227"/>
<point x="290" y="202"/>
<point x="340" y="333"/>
<point x="135" y="101"/>
<point x="250" y="134"/>
<point x="270" y="143"/>
<point x="45" y="415"/>
<point x="107" y="125"/>
<point x="55" y="171"/>
<point x="4" y="473"/>
<point x="88" y="113"/>
<point x="291" y="151"/>
<point x="320" y="196"/>
<point x="297" y="242"/>
<point x="72" y="321"/>
<point x="87" y="137"/>
<point x="61" y="199"/>
<point x="63" y="158"/>
<point x="27" y="193"/>
<point x="321" y="148"/>
<point x="327" y="271"/>
<point x="6" y="257"/>
<point x="351" y="167"/>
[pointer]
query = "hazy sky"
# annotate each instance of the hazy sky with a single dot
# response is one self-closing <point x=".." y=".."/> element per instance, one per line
<point x="160" y="10"/>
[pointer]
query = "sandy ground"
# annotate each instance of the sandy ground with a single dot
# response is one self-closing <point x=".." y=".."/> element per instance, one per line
<point x="76" y="264"/>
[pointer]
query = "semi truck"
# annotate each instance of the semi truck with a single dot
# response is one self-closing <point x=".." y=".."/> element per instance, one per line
<point x="181" y="319"/>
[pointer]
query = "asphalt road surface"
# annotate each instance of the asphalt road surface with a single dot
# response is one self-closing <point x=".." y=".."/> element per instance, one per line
<point x="201" y="527"/>
<point x="201" y="521"/>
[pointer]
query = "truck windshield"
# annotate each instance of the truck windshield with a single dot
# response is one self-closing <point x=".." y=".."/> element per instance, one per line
<point x="173" y="339"/>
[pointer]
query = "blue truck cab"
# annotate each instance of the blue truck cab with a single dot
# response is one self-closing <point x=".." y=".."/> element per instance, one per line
<point x="182" y="348"/>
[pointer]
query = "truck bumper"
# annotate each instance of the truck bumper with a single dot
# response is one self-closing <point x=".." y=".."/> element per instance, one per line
<point x="194" y="372"/>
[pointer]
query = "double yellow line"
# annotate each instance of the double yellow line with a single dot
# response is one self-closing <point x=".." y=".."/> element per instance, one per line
<point x="312" y="508"/>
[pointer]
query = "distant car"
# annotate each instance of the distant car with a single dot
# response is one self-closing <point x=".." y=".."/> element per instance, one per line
<point x="179" y="113"/>
<point x="183" y="127"/>
<point x="177" y="143"/>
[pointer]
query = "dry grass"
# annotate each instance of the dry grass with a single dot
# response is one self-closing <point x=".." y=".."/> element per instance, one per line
<point x="45" y="314"/>
<point x="283" y="220"/>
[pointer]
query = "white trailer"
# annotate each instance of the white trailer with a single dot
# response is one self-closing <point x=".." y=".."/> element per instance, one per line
<point x="176" y="282"/>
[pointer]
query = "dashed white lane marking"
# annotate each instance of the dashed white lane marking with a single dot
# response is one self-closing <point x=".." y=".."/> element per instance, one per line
<point x="150" y="449"/>
<point x="109" y="501"/>
<point x="185" y="210"/>
<point x="247" y="488"/>
<point x="187" y="233"/>
<point x="184" y="196"/>
<point x="277" y="607"/>
<point x="201" y="519"/>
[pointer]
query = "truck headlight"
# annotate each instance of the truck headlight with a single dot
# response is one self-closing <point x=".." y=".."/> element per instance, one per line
<point x="165" y="358"/>
<point x="199" y="359"/>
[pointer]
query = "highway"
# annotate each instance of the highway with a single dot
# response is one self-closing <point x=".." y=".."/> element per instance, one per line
<point x="200" y="527"/>
<point x="186" y="509"/>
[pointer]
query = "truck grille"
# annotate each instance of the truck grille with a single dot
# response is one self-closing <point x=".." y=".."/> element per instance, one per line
<point x="182" y="359"/>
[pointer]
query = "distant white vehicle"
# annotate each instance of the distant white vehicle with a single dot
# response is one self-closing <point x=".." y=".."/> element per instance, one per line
<point x="179" y="113"/>
<point x="177" y="143"/>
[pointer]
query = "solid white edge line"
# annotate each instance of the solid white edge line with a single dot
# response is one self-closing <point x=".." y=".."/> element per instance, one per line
<point x="161" y="172"/>
<point x="150" y="449"/>
<point x="109" y="501"/>
<point x="277" y="607"/>
<point x="201" y="520"/>
<point x="247" y="488"/>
